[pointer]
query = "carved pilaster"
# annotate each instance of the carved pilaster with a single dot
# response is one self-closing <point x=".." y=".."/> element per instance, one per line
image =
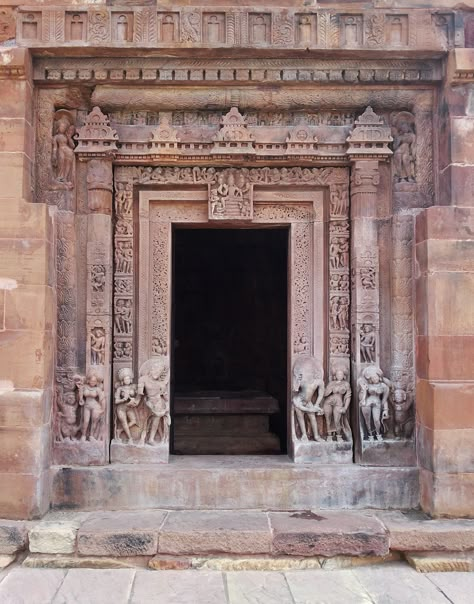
<point x="368" y="145"/>
<point x="96" y="141"/>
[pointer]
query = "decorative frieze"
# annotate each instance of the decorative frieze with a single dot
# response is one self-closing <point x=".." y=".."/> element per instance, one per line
<point x="279" y="27"/>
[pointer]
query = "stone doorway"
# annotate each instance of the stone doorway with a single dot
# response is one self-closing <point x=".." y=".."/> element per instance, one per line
<point x="229" y="361"/>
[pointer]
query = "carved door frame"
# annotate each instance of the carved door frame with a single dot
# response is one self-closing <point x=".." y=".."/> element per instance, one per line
<point x="316" y="210"/>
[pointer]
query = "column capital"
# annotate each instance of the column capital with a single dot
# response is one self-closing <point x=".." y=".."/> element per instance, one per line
<point x="369" y="139"/>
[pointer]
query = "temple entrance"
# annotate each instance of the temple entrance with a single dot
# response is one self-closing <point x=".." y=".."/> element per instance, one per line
<point x="229" y="364"/>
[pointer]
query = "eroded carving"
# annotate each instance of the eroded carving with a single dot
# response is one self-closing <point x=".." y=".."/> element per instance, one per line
<point x="403" y="417"/>
<point x="404" y="157"/>
<point x="368" y="341"/>
<point x="153" y="385"/>
<point x="126" y="402"/>
<point x="307" y="395"/>
<point x="373" y="391"/>
<point x="231" y="197"/>
<point x="91" y="398"/>
<point x="337" y="398"/>
<point x="62" y="152"/>
<point x="97" y="344"/>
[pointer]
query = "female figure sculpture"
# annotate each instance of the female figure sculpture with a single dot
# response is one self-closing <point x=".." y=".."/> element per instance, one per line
<point x="63" y="150"/>
<point x="125" y="404"/>
<point x="307" y="383"/>
<point x="374" y="389"/>
<point x="92" y="400"/>
<point x="336" y="403"/>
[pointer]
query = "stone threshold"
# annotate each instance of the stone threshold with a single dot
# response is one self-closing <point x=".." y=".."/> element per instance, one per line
<point x="237" y="540"/>
<point x="243" y="482"/>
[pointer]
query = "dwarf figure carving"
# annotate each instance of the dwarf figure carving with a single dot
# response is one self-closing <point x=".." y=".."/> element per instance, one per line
<point x="337" y="398"/>
<point x="308" y="383"/>
<point x="374" y="389"/>
<point x="404" y="422"/>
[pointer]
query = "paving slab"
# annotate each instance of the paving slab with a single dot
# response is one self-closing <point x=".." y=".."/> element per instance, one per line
<point x="328" y="534"/>
<point x="409" y="533"/>
<point x="398" y="583"/>
<point x="319" y="587"/>
<point x="13" y="536"/>
<point x="458" y="587"/>
<point x="53" y="537"/>
<point x="120" y="533"/>
<point x="231" y="532"/>
<point x="178" y="587"/>
<point x="103" y="585"/>
<point x="32" y="586"/>
<point x="258" y="587"/>
<point x="428" y="562"/>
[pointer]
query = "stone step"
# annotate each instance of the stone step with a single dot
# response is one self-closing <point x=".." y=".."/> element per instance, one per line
<point x="229" y="482"/>
<point x="164" y="535"/>
<point x="187" y="444"/>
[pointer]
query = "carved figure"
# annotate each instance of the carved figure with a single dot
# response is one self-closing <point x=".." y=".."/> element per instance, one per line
<point x="337" y="398"/>
<point x="97" y="345"/>
<point x="123" y="316"/>
<point x="153" y="386"/>
<point x="373" y="390"/>
<point x="308" y="382"/>
<point x="62" y="155"/>
<point x="67" y="413"/>
<point x="92" y="401"/>
<point x="404" y="145"/>
<point x="404" y="421"/>
<point x="367" y="343"/>
<point x="126" y="402"/>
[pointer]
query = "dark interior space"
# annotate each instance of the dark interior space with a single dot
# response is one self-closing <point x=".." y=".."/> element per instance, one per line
<point x="230" y="334"/>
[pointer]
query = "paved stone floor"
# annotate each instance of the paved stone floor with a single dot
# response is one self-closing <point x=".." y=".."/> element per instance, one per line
<point x="391" y="583"/>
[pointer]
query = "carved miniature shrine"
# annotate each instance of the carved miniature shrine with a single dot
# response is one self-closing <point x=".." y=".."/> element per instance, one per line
<point x="233" y="195"/>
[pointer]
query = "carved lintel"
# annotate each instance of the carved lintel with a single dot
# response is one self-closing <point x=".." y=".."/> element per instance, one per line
<point x="231" y="196"/>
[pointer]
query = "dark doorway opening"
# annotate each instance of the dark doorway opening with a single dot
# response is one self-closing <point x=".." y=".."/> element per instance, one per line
<point x="229" y="384"/>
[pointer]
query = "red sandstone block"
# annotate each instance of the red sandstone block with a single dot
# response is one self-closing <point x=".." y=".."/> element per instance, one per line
<point x="462" y="140"/>
<point x="196" y="532"/>
<point x="13" y="536"/>
<point x="445" y="357"/>
<point x="445" y="405"/>
<point x="30" y="307"/>
<point x="16" y="175"/>
<point x="328" y="534"/>
<point x="409" y="533"/>
<point x="456" y="185"/>
<point x="433" y="255"/>
<point x="24" y="449"/>
<point x="447" y="494"/>
<point x="24" y="496"/>
<point x="120" y="533"/>
<point x="445" y="222"/>
<point x="445" y="450"/>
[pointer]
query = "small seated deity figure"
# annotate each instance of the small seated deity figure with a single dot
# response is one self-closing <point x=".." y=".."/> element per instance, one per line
<point x="67" y="413"/>
<point x="126" y="402"/>
<point x="308" y="383"/>
<point x="92" y="400"/>
<point x="404" y="422"/>
<point x="337" y="398"/>
<point x="374" y="389"/>
<point x="153" y="386"/>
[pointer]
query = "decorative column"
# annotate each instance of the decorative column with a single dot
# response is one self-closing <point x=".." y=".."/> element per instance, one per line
<point x="368" y="146"/>
<point x="97" y="145"/>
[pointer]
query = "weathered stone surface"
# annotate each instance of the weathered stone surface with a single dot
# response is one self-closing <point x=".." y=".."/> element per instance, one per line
<point x="257" y="586"/>
<point x="117" y="582"/>
<point x="408" y="533"/>
<point x="120" y="534"/>
<point x="441" y="562"/>
<point x="327" y="534"/>
<point x="177" y="587"/>
<point x="169" y="563"/>
<point x="65" y="561"/>
<point x="400" y="582"/>
<point x="13" y="536"/>
<point x="6" y="560"/>
<point x="336" y="586"/>
<point x="230" y="532"/>
<point x="53" y="537"/>
<point x="456" y="586"/>
<point x="255" y="563"/>
<point x="46" y="584"/>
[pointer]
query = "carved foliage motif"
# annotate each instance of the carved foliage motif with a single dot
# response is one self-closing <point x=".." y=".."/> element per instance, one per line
<point x="191" y="26"/>
<point x="99" y="26"/>
<point x="7" y="24"/>
<point x="375" y="30"/>
<point x="283" y="32"/>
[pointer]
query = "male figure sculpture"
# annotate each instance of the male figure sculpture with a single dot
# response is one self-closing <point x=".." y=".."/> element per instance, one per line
<point x="153" y="385"/>
<point x="308" y="382"/>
